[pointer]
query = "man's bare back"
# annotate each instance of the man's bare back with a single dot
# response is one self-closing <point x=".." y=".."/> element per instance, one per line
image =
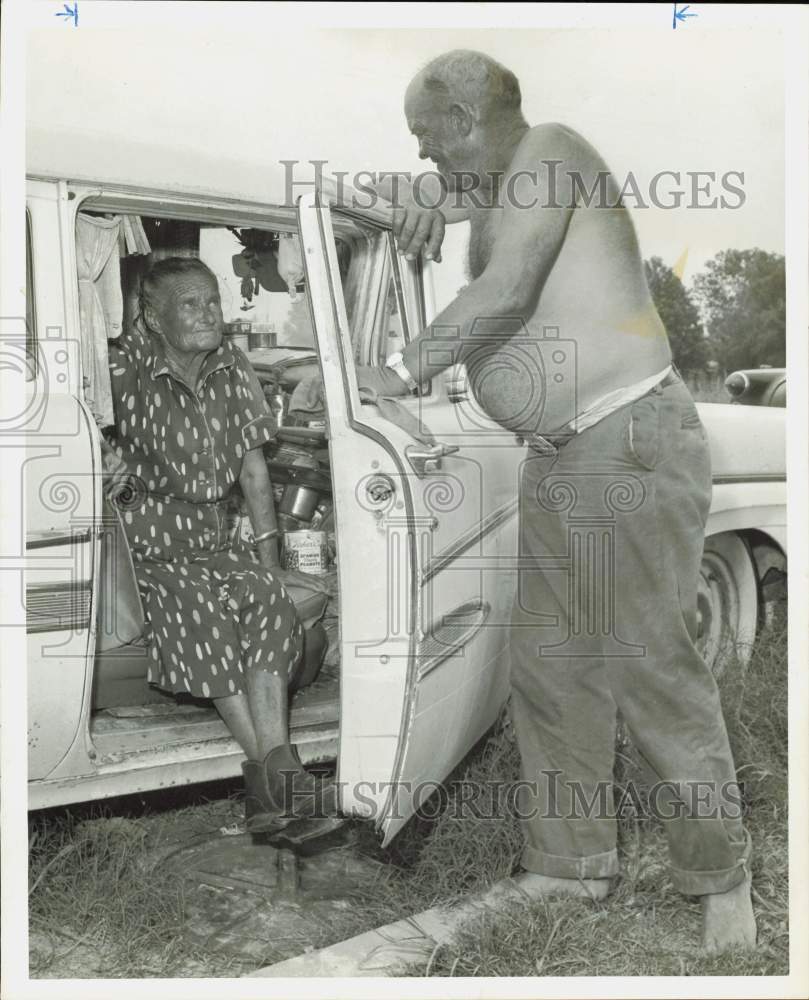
<point x="595" y="299"/>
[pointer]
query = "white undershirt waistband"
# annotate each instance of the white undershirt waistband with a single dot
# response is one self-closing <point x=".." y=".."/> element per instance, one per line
<point x="613" y="401"/>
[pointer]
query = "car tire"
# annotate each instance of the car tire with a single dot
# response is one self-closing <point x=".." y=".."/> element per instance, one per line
<point x="727" y="602"/>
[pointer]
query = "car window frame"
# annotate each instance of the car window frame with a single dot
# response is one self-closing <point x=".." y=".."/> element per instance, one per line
<point x="409" y="291"/>
<point x="31" y="331"/>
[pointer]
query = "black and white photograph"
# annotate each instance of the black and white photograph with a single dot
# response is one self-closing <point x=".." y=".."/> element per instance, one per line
<point x="405" y="444"/>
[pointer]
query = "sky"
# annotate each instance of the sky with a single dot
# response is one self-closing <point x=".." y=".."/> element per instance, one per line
<point x="688" y="100"/>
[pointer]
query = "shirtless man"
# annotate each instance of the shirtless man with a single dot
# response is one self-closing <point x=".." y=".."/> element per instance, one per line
<point x="545" y="253"/>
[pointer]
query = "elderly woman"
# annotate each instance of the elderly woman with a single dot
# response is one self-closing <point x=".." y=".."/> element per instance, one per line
<point x="191" y="420"/>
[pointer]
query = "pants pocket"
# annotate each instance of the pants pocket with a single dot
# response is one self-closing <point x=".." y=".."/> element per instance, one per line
<point x="689" y="418"/>
<point x="643" y="431"/>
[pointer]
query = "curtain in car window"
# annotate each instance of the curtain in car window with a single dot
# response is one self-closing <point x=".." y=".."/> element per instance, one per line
<point x="101" y="307"/>
<point x="100" y="243"/>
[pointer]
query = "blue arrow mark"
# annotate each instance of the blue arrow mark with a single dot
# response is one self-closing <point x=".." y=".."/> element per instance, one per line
<point x="70" y="12"/>
<point x="680" y="15"/>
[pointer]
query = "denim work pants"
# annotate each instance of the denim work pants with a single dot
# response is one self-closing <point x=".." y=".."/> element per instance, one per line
<point x="611" y="538"/>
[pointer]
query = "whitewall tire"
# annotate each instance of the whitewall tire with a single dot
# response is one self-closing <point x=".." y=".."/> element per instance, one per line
<point x="727" y="602"/>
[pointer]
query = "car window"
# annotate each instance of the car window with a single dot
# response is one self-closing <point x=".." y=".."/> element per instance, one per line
<point x="259" y="273"/>
<point x="372" y="290"/>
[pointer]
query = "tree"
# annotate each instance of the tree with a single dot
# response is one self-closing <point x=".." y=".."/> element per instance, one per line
<point x="742" y="294"/>
<point x="679" y="314"/>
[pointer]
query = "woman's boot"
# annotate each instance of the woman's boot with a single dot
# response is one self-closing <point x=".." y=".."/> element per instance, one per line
<point x="307" y="806"/>
<point x="260" y="815"/>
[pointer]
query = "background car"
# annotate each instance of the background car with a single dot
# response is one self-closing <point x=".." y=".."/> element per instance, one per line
<point x="758" y="386"/>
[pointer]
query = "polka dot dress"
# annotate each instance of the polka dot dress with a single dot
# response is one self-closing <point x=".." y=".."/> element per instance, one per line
<point x="212" y="614"/>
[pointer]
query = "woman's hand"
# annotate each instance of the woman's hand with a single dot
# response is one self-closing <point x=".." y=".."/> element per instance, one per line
<point x="267" y="552"/>
<point x="115" y="473"/>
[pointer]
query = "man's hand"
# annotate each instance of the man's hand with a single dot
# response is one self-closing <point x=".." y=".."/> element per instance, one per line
<point x="381" y="381"/>
<point x="417" y="229"/>
<point x="376" y="381"/>
<point x="416" y="226"/>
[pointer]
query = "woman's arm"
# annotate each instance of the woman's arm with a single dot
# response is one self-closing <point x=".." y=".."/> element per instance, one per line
<point x="254" y="480"/>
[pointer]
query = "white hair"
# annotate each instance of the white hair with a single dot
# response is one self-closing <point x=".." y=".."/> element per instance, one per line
<point x="474" y="78"/>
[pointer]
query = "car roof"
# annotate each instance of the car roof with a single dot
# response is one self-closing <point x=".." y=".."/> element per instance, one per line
<point x="94" y="157"/>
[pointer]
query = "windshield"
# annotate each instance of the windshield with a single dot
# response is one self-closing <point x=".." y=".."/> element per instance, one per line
<point x="261" y="282"/>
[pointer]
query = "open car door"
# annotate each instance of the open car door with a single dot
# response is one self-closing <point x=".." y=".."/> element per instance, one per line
<point x="62" y="493"/>
<point x="424" y="529"/>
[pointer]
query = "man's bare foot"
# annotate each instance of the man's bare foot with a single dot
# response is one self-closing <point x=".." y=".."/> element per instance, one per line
<point x="547" y="885"/>
<point x="728" y="920"/>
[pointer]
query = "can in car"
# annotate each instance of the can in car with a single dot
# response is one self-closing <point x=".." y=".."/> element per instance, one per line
<point x="306" y="551"/>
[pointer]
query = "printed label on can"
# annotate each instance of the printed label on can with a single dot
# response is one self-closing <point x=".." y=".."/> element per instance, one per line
<point x="306" y="551"/>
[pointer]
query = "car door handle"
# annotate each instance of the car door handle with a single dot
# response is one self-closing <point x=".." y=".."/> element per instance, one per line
<point x="425" y="459"/>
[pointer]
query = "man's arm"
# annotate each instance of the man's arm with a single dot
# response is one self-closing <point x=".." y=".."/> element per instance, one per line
<point x="529" y="238"/>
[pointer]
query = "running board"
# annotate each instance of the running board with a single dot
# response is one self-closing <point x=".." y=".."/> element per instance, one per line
<point x="141" y="748"/>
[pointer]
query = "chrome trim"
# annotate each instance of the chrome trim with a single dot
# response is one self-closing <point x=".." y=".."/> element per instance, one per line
<point x="45" y="539"/>
<point x="173" y="205"/>
<point x="451" y="645"/>
<point x="764" y="477"/>
<point x="58" y="607"/>
<point x="744" y="387"/>
<point x="510" y="508"/>
<point x="469" y="538"/>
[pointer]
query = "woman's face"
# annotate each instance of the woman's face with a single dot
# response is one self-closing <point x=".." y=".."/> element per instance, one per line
<point x="188" y="313"/>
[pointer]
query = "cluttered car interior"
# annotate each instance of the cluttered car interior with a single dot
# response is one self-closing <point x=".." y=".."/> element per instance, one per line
<point x="267" y="315"/>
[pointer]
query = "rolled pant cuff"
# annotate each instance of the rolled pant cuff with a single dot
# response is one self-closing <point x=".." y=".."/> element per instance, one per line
<point x="554" y="865"/>
<point x="706" y="883"/>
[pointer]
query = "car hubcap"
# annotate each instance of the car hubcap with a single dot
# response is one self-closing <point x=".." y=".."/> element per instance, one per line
<point x="717" y="611"/>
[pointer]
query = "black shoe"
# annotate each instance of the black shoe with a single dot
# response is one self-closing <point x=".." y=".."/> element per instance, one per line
<point x="307" y="837"/>
<point x="260" y="816"/>
<point x="293" y="792"/>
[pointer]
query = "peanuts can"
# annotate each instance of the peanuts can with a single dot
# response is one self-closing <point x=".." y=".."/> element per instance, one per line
<point x="306" y="551"/>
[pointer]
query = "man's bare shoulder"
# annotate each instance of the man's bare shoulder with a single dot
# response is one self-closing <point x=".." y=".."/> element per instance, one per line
<point x="555" y="141"/>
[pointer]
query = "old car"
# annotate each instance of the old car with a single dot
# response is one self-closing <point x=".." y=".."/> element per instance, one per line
<point x="420" y="575"/>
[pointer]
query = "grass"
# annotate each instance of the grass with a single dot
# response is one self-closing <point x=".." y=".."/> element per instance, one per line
<point x="101" y="904"/>
<point x="644" y="927"/>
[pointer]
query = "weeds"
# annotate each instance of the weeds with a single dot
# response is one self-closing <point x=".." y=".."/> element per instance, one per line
<point x="644" y="927"/>
<point x="102" y="901"/>
<point x="99" y="900"/>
